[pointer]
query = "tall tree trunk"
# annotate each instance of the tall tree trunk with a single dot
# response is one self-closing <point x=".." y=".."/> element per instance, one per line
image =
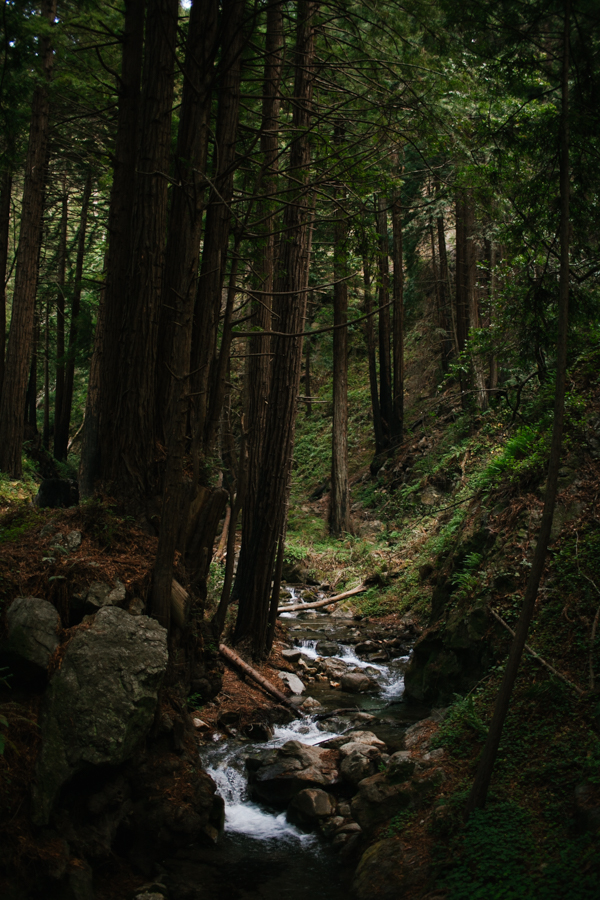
<point x="46" y="426"/>
<point x="440" y="306"/>
<point x="477" y="797"/>
<point x="5" y="192"/>
<point x="291" y="284"/>
<point x="370" y="340"/>
<point x="258" y="366"/>
<point x="218" y="218"/>
<point x="60" y="315"/>
<point x="445" y="288"/>
<point x="105" y="371"/>
<point x="398" y="323"/>
<point x="129" y="445"/>
<point x="339" y="509"/>
<point x="478" y="378"/>
<point x="462" y="285"/>
<point x="61" y="426"/>
<point x="31" y="397"/>
<point x="187" y="204"/>
<point x="491" y="254"/>
<point x="18" y="353"/>
<point x="385" y="359"/>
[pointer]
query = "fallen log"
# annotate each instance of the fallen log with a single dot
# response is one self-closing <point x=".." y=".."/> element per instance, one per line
<point x="294" y="606"/>
<point x="237" y="661"/>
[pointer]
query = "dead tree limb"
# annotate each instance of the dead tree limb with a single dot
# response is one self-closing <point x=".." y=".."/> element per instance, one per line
<point x="237" y="661"/>
<point x="294" y="606"/>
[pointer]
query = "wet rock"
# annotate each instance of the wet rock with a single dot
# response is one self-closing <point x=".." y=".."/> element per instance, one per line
<point x="385" y="871"/>
<point x="377" y="801"/>
<point x="100" y="704"/>
<point x="416" y="734"/>
<point x="309" y="806"/>
<point x="327" y="648"/>
<point x="333" y="668"/>
<point x="292" y="768"/>
<point x="296" y="573"/>
<point x="357" y="683"/>
<point x="258" y="731"/>
<point x="293" y="682"/>
<point x="311" y="704"/>
<point x="359" y="764"/>
<point x="291" y="656"/>
<point x="32" y="636"/>
<point x="400" y="767"/>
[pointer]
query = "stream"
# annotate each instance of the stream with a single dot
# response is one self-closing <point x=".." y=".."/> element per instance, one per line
<point x="262" y="855"/>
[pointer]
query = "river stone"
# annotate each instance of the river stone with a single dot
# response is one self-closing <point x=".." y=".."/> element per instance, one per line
<point x="291" y="656"/>
<point x="400" y="767"/>
<point x="356" y="739"/>
<point x="380" y="872"/>
<point x="309" y="806"/>
<point x="292" y="681"/>
<point x="100" y="704"/>
<point x="357" y="683"/>
<point x="333" y="668"/>
<point x="32" y="626"/>
<point x="294" y="767"/>
<point x="377" y="802"/>
<point x="327" y="648"/>
<point x="359" y="764"/>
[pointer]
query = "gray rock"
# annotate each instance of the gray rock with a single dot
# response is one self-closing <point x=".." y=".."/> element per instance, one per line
<point x="73" y="540"/>
<point x="293" y="682"/>
<point x="377" y="802"/>
<point x="333" y="668"/>
<point x="359" y="765"/>
<point x="357" y="683"/>
<point x="309" y="806"/>
<point x="33" y="625"/>
<point x="327" y="648"/>
<point x="385" y="871"/>
<point x="97" y="596"/>
<point x="400" y="767"/>
<point x="282" y="774"/>
<point x="100" y="704"/>
<point x="137" y="607"/>
<point x="291" y="656"/>
<point x="361" y="740"/>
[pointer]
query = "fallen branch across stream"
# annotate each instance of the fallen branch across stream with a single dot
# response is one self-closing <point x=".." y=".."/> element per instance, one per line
<point x="294" y="606"/>
<point x="237" y="661"/>
<point x="538" y="657"/>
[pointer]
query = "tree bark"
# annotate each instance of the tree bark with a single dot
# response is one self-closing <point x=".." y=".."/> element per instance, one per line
<point x="445" y="287"/>
<point x="370" y="340"/>
<point x="180" y="286"/>
<point x="128" y="447"/>
<point x="60" y="313"/>
<point x="398" y="323"/>
<point x="105" y="371"/>
<point x="5" y="193"/>
<point x="18" y="352"/>
<point x="291" y="285"/>
<point x="61" y="426"/>
<point x="385" y="359"/>
<point x="339" y="509"/>
<point x="218" y="218"/>
<point x="477" y="797"/>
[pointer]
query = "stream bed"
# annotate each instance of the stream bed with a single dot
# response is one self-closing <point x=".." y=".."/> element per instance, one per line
<point x="261" y="854"/>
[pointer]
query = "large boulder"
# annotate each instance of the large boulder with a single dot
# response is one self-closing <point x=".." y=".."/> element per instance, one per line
<point x="277" y="776"/>
<point x="386" y="870"/>
<point x="32" y="635"/>
<point x="377" y="802"/>
<point x="309" y="807"/>
<point x="358" y="683"/>
<point x="100" y="704"/>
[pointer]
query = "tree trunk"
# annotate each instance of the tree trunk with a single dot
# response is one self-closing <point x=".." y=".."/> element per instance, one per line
<point x="218" y="217"/>
<point x="60" y="314"/>
<point x="105" y="371"/>
<point x="385" y="360"/>
<point x="370" y="340"/>
<point x="446" y="288"/>
<point x="440" y="306"/>
<point x="478" y="794"/>
<point x="18" y="353"/>
<point x="5" y="192"/>
<point x="339" y="510"/>
<point x="398" y="323"/>
<point x="291" y="284"/>
<point x="31" y="398"/>
<point x="46" y="426"/>
<point x="128" y="446"/>
<point x="187" y="207"/>
<point x="61" y="426"/>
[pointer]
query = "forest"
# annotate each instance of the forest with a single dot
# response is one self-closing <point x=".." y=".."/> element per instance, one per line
<point x="302" y="292"/>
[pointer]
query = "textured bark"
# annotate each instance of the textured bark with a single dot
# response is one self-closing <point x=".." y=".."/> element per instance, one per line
<point x="187" y="206"/>
<point x="106" y="372"/>
<point x="291" y="283"/>
<point x="370" y="340"/>
<point x="175" y="340"/>
<point x="5" y="192"/>
<point x="339" y="508"/>
<point x="62" y="423"/>
<point x="385" y="359"/>
<point x="31" y="398"/>
<point x="218" y="218"/>
<point x="478" y="795"/>
<point x="445" y="287"/>
<point x="60" y="314"/>
<point x="258" y="368"/>
<point x="128" y="446"/>
<point x="46" y="425"/>
<point x="397" y="424"/>
<point x="18" y="352"/>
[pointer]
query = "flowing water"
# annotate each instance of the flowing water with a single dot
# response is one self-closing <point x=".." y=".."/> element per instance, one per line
<point x="261" y="855"/>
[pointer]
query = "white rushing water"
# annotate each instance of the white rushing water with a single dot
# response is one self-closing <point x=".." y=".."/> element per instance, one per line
<point x="227" y="766"/>
<point x="390" y="680"/>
